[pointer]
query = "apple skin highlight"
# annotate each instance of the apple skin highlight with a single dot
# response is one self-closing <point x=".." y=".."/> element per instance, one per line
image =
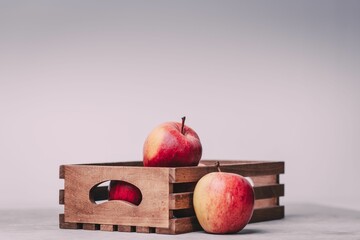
<point x="172" y="144"/>
<point x="223" y="202"/>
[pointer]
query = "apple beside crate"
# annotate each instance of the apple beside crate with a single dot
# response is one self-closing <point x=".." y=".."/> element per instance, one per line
<point x="167" y="193"/>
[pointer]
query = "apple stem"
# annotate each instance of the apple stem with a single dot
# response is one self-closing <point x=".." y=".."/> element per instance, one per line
<point x="182" y="125"/>
<point x="217" y="164"/>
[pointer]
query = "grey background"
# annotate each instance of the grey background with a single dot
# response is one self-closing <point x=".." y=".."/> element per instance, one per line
<point x="85" y="81"/>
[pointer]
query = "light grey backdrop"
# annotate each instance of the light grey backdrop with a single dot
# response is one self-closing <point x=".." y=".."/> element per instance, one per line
<point x="85" y="81"/>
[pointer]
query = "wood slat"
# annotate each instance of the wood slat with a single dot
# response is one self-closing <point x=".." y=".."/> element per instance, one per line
<point x="184" y="225"/>
<point x="181" y="200"/>
<point x="266" y="214"/>
<point x="145" y="230"/>
<point x="185" y="200"/>
<point x="264" y="203"/>
<point x="108" y="227"/>
<point x="193" y="174"/>
<point x="66" y="225"/>
<point x="128" y="163"/>
<point x="181" y="225"/>
<point x="61" y="172"/>
<point x="61" y="197"/>
<point x="264" y="180"/>
<point x="165" y="231"/>
<point x="91" y="226"/>
<point x="123" y="228"/>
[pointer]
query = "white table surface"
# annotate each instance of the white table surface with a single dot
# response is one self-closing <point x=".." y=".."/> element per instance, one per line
<point x="302" y="221"/>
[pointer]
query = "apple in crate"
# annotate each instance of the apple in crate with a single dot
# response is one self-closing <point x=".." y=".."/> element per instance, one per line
<point x="121" y="190"/>
<point x="172" y="144"/>
<point x="223" y="202"/>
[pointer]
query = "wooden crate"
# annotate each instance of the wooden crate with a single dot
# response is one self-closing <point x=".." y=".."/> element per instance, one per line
<point x="167" y="195"/>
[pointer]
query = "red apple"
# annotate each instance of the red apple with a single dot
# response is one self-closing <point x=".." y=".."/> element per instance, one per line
<point x="121" y="190"/>
<point x="223" y="202"/>
<point x="172" y="144"/>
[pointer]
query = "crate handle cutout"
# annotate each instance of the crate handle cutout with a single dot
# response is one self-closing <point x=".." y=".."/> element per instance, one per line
<point x="123" y="191"/>
<point x="81" y="182"/>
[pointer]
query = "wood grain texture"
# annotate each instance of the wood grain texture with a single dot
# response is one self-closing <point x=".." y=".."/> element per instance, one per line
<point x="66" y="225"/>
<point x="264" y="180"/>
<point x="123" y="228"/>
<point x="145" y="230"/>
<point x="128" y="163"/>
<point x="269" y="213"/>
<point x="264" y="203"/>
<point x="181" y="225"/>
<point x="108" y="227"/>
<point x="91" y="226"/>
<point x="184" y="225"/>
<point x="193" y="174"/>
<point x="181" y="200"/>
<point x="153" y="183"/>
